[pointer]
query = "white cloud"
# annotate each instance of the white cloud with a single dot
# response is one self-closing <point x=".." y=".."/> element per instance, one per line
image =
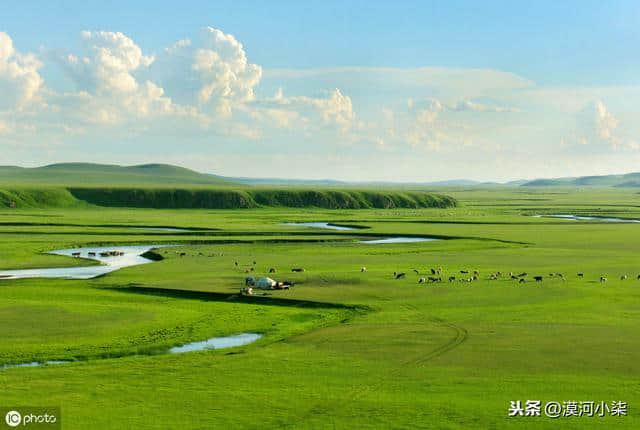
<point x="108" y="63"/>
<point x="469" y="105"/>
<point x="604" y="122"/>
<point x="109" y="89"/>
<point x="333" y="110"/>
<point x="212" y="71"/>
<point x="20" y="81"/>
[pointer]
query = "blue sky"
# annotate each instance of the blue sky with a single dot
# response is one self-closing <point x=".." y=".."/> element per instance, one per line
<point x="354" y="90"/>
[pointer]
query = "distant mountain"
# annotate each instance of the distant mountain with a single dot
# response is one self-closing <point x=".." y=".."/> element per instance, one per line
<point x="79" y="174"/>
<point x="628" y="180"/>
<point x="336" y="183"/>
<point x="164" y="175"/>
<point x="285" y="182"/>
<point x="452" y="183"/>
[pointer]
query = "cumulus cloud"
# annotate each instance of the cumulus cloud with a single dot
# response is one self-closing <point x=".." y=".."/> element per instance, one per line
<point x="20" y="81"/>
<point x="468" y="105"/>
<point x="596" y="126"/>
<point x="109" y="89"/>
<point x="603" y="122"/>
<point x="212" y="71"/>
<point x="333" y="108"/>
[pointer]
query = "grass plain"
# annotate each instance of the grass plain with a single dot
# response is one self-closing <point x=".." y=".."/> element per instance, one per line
<point x="342" y="349"/>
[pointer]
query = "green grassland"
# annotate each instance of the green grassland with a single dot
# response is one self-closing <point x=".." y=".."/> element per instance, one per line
<point x="341" y="349"/>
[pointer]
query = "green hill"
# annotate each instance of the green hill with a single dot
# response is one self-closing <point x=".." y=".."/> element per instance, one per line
<point x="164" y="186"/>
<point x="628" y="180"/>
<point x="217" y="198"/>
<point x="225" y="198"/>
<point x="82" y="174"/>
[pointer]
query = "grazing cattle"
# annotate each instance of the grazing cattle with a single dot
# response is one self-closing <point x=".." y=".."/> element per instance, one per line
<point x="280" y="286"/>
<point x="538" y="278"/>
<point x="580" y="275"/>
<point x="272" y="270"/>
<point x="93" y="254"/>
<point x="363" y="269"/>
<point x="76" y="254"/>
<point x="433" y="279"/>
<point x="254" y="262"/>
<point x="417" y="271"/>
<point x="522" y="275"/>
<point x="623" y="277"/>
<point x="421" y="281"/>
<point x="603" y="279"/>
<point x="182" y="254"/>
<point x="452" y="278"/>
<point x="464" y="271"/>
<point x="246" y="291"/>
<point x="433" y="271"/>
<point x="514" y="277"/>
<point x="474" y="277"/>
<point x="297" y="270"/>
<point x="235" y="262"/>
<point x="638" y="277"/>
<point x="476" y="273"/>
<point x="522" y="281"/>
<point x="400" y="275"/>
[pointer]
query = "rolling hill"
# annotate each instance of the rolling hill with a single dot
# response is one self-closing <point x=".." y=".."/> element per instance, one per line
<point x="627" y="180"/>
<point x="82" y="174"/>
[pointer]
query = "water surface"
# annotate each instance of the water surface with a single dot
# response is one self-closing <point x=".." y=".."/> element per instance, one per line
<point x="318" y="225"/>
<point x="399" y="240"/>
<point x="217" y="343"/>
<point x="213" y="343"/>
<point x="589" y="218"/>
<point x="172" y="229"/>
<point x="131" y="257"/>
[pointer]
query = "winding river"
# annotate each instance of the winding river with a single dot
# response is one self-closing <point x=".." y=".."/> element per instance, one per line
<point x="571" y="217"/>
<point x="127" y="256"/>
<point x="330" y="226"/>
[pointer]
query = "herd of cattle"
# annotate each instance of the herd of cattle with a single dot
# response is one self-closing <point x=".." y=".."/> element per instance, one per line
<point x="471" y="276"/>
<point x="436" y="276"/>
